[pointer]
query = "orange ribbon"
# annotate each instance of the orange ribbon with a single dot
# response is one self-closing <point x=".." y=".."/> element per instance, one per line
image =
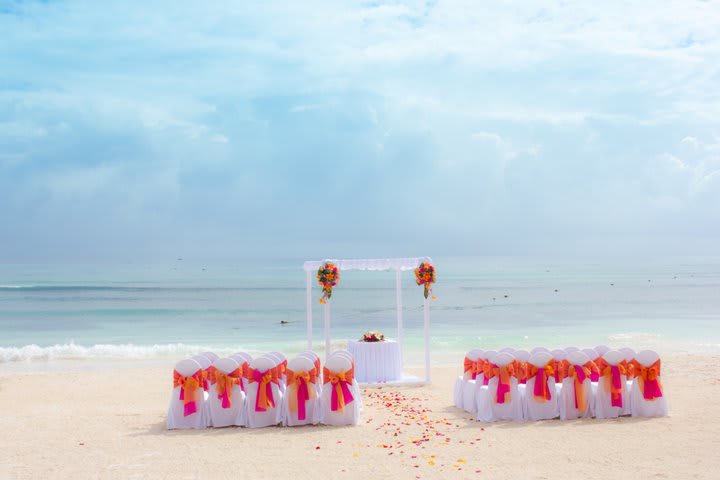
<point x="579" y="374"/>
<point x="594" y="371"/>
<point x="340" y="381"/>
<point x="299" y="391"/>
<point x="520" y="369"/>
<point x="502" y="394"/>
<point x="471" y="367"/>
<point x="224" y="383"/>
<point x="188" y="389"/>
<point x="541" y="390"/>
<point x="562" y="370"/>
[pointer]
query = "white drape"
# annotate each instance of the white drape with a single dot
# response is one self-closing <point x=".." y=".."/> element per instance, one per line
<point x="401" y="264"/>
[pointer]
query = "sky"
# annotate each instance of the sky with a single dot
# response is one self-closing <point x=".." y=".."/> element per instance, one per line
<point x="146" y="131"/>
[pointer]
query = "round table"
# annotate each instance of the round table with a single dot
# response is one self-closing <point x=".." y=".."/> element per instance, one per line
<point x="376" y="361"/>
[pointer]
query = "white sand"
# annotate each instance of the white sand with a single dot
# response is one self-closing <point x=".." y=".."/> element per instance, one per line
<point x="95" y="425"/>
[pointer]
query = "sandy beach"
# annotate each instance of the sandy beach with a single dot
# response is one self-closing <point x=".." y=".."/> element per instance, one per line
<point x="112" y="425"/>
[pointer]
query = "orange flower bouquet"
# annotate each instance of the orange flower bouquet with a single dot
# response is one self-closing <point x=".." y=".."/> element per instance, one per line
<point x="425" y="276"/>
<point x="328" y="276"/>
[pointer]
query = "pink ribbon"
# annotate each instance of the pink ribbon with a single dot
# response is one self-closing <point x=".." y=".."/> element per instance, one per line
<point x="616" y="380"/>
<point x="334" y="399"/>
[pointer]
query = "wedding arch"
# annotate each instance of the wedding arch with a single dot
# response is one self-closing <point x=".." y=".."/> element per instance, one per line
<point x="383" y="264"/>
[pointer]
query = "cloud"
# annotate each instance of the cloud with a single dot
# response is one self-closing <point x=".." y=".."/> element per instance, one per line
<point x="453" y="127"/>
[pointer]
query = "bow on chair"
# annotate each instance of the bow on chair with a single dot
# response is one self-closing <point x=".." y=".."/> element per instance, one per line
<point x="601" y="366"/>
<point x="474" y="368"/>
<point x="299" y="391"/>
<point x="503" y="374"/>
<point x="341" y="395"/>
<point x="649" y="381"/>
<point x="594" y="370"/>
<point x="520" y="371"/>
<point x="224" y="383"/>
<point x="562" y="369"/>
<point x="579" y="374"/>
<point x="188" y="389"/>
<point x="542" y="375"/>
<point x="264" y="398"/>
<point x="613" y="381"/>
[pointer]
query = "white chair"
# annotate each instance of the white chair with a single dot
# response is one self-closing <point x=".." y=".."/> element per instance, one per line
<point x="629" y="364"/>
<point x="187" y="400"/>
<point x="647" y="387"/>
<point x="571" y="349"/>
<point x="576" y="397"/>
<point x="471" y="388"/>
<point x="541" y="403"/>
<point x="226" y="398"/>
<point x="277" y="369"/>
<point x="509" y="350"/>
<point x="282" y="366"/>
<point x="469" y="374"/>
<point x="300" y="402"/>
<point x="315" y="359"/>
<point x="500" y="399"/>
<point x="339" y="405"/>
<point x="355" y="385"/>
<point x="560" y="367"/>
<point x="593" y="355"/>
<point x="611" y="392"/>
<point x="264" y="398"/>
<point x="521" y="359"/>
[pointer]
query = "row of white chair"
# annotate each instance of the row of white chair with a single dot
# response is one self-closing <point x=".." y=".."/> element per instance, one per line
<point x="571" y="382"/>
<point x="209" y="391"/>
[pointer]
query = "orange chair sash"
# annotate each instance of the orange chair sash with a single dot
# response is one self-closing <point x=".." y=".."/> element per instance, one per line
<point x="579" y="374"/>
<point x="542" y="375"/>
<point x="561" y="369"/>
<point x="502" y="394"/>
<point x="471" y="368"/>
<point x="224" y="383"/>
<point x="299" y="390"/>
<point x="520" y="369"/>
<point x="341" y="382"/>
<point x="264" y="398"/>
<point x="189" y="387"/>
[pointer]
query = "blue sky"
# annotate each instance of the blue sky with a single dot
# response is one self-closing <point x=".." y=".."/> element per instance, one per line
<point x="145" y="131"/>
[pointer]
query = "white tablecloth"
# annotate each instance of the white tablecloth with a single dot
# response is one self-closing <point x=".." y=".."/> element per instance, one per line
<point x="376" y="361"/>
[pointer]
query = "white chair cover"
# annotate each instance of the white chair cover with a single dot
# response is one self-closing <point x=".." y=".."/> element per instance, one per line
<point x="309" y="405"/>
<point x="355" y="384"/>
<point x="176" y="416"/>
<point x="461" y="380"/>
<point x="315" y="359"/>
<point x="642" y="407"/>
<point x="603" y="397"/>
<point x="536" y="409"/>
<point x="225" y="410"/>
<point x="350" y="415"/>
<point x="471" y="388"/>
<point x="256" y="417"/>
<point x="488" y="408"/>
<point x="566" y="398"/>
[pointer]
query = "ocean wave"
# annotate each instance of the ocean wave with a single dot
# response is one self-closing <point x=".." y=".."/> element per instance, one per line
<point x="101" y="351"/>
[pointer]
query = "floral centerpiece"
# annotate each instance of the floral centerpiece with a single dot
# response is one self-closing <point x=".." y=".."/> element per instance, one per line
<point x="328" y="276"/>
<point x="425" y="276"/>
<point x="372" y="337"/>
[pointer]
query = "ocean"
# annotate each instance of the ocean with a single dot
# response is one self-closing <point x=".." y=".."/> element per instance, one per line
<point x="50" y="314"/>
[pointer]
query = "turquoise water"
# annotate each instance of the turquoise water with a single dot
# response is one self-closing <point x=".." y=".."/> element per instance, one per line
<point x="50" y="312"/>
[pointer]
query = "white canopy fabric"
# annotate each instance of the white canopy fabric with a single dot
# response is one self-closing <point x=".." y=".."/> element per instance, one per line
<point x="401" y="264"/>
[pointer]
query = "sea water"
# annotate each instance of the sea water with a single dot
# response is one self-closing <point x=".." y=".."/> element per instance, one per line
<point x="51" y="313"/>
